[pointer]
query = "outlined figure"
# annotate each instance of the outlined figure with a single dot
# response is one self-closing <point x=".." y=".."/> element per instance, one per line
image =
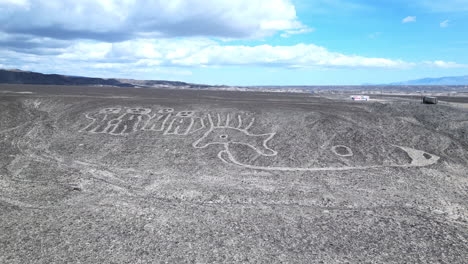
<point x="419" y="158"/>
<point x="118" y="121"/>
<point x="232" y="132"/>
<point x="342" y="151"/>
<point x="132" y="120"/>
<point x="115" y="121"/>
<point x="226" y="135"/>
<point x="158" y="121"/>
<point x="100" y="121"/>
<point x="185" y="113"/>
<point x="184" y="123"/>
<point x="222" y="133"/>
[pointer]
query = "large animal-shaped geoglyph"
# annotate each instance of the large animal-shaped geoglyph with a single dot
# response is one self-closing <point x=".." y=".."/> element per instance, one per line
<point x="226" y="135"/>
<point x="220" y="131"/>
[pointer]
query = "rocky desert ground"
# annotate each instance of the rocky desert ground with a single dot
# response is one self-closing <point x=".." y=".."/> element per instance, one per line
<point x="126" y="175"/>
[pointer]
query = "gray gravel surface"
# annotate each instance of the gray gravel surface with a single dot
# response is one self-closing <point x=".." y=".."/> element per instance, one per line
<point x="117" y="175"/>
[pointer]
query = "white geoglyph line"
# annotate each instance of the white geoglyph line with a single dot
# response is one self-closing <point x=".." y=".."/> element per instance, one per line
<point x="227" y="120"/>
<point x="349" y="154"/>
<point x="94" y="129"/>
<point x="210" y="119"/>
<point x="418" y="158"/>
<point x="232" y="160"/>
<point x="250" y="124"/>
<point x="414" y="154"/>
<point x="115" y="125"/>
<point x="176" y="130"/>
<point x="90" y="124"/>
<point x="244" y="132"/>
<point x="264" y="144"/>
<point x="135" y="126"/>
<point x="219" y="119"/>
<point x="239" y="136"/>
<point x="239" y="118"/>
<point x="192" y="121"/>
<point x="163" y="125"/>
<point x="202" y="125"/>
<point x="166" y="132"/>
<point x="182" y="123"/>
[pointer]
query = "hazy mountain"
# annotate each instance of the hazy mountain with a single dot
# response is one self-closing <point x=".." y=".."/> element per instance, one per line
<point x="452" y="80"/>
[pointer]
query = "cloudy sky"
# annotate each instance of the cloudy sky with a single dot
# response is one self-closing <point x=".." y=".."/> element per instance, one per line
<point x="238" y="42"/>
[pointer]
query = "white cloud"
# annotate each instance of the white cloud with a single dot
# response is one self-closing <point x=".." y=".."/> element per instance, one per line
<point x="304" y="30"/>
<point x="445" y="64"/>
<point x="208" y="53"/>
<point x="201" y="52"/>
<point x="409" y="19"/>
<point x="177" y="57"/>
<point x="300" y="55"/>
<point x="18" y="3"/>
<point x="116" y="20"/>
<point x="444" y="23"/>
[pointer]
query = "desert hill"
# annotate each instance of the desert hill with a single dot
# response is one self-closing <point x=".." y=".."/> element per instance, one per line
<point x="114" y="174"/>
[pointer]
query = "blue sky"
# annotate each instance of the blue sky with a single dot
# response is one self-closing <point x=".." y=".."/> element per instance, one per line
<point x="242" y="42"/>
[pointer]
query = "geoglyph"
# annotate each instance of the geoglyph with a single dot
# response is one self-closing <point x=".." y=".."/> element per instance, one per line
<point x="227" y="131"/>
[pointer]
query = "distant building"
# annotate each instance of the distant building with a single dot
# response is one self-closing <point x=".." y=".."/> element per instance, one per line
<point x="360" y="98"/>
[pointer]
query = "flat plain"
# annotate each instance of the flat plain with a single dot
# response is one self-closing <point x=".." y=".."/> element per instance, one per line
<point x="126" y="175"/>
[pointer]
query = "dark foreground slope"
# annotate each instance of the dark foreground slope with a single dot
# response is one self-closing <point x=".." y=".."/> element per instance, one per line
<point x="138" y="176"/>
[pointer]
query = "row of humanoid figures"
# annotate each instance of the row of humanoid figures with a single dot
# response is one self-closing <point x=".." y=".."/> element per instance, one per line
<point x="121" y="121"/>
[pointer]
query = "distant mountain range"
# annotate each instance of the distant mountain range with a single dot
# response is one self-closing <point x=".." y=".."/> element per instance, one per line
<point x="16" y="76"/>
<point x="428" y="84"/>
<point x="452" y="80"/>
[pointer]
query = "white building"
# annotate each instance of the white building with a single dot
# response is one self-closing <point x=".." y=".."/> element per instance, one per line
<point x="360" y="98"/>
